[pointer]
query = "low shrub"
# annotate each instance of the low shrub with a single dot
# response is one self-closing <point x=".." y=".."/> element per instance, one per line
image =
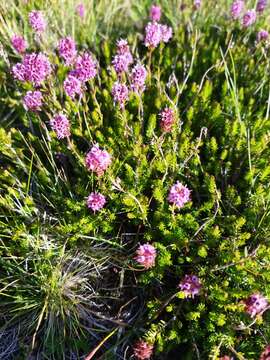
<point x="135" y="196"/>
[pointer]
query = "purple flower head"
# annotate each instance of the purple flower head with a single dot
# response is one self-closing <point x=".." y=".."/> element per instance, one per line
<point x="80" y="10"/>
<point x="61" y="126"/>
<point x="153" y="35"/>
<point x="197" y="4"/>
<point x="85" y="67"/>
<point x="146" y="255"/>
<point x="237" y="8"/>
<point x="72" y="86"/>
<point x="166" y="33"/>
<point x="256" y="304"/>
<point x="190" y="285"/>
<point x="18" y="72"/>
<point x="142" y="350"/>
<point x="262" y="35"/>
<point x="19" y="43"/>
<point x="67" y="50"/>
<point x="155" y="13"/>
<point x="121" y="63"/>
<point x="122" y="47"/>
<point x="249" y="18"/>
<point x="37" y="21"/>
<point x="261" y="5"/>
<point x="265" y="355"/>
<point x="96" y="201"/>
<point x="97" y="160"/>
<point x="34" y="68"/>
<point x="33" y="100"/>
<point x="167" y="119"/>
<point x="138" y="78"/>
<point x="123" y="57"/>
<point x="120" y="93"/>
<point x="179" y="195"/>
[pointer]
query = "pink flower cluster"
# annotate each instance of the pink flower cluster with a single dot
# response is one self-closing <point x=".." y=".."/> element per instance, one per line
<point x="156" y="33"/>
<point x="97" y="160"/>
<point x="179" y="195"/>
<point x="138" y="78"/>
<point x="120" y="93"/>
<point x="190" y="285"/>
<point x="197" y="4"/>
<point x="262" y="35"/>
<point x="96" y="201"/>
<point x="72" y="86"/>
<point x="146" y="255"/>
<point x="34" y="68"/>
<point x="155" y="13"/>
<point x="32" y="100"/>
<point x="237" y="8"/>
<point x="19" y="43"/>
<point x="67" y="50"/>
<point x="60" y="124"/>
<point x="226" y="357"/>
<point x="142" y="350"/>
<point x="261" y="5"/>
<point x="249" y="18"/>
<point x="256" y="304"/>
<point x="123" y="57"/>
<point x="265" y="355"/>
<point x="37" y="21"/>
<point x="167" y="119"/>
<point x="85" y="67"/>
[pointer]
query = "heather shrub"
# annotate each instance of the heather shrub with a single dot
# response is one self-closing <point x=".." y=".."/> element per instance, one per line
<point x="135" y="190"/>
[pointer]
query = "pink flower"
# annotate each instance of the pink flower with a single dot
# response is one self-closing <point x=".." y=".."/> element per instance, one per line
<point x="120" y="93"/>
<point x="146" y="255"/>
<point x="179" y="195"/>
<point x="262" y="35"/>
<point x="32" y="100"/>
<point x="142" y="350"/>
<point x="121" y="63"/>
<point x="249" y="18"/>
<point x="97" y="160"/>
<point x="37" y="21"/>
<point x="123" y="57"/>
<point x="167" y="119"/>
<point x="190" y="285"/>
<point x="265" y="355"/>
<point x="138" y="78"/>
<point x="72" y="86"/>
<point x="61" y="126"/>
<point x="261" y="5"/>
<point x="197" y="4"/>
<point x="237" y="8"/>
<point x="153" y="34"/>
<point x="225" y="357"/>
<point x="85" y="67"/>
<point x="155" y="13"/>
<point x="18" y="72"/>
<point x="256" y="304"/>
<point x="34" y="68"/>
<point x="166" y="33"/>
<point x="67" y="50"/>
<point x="96" y="201"/>
<point x="19" y="43"/>
<point x="80" y="9"/>
<point x="122" y="47"/>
